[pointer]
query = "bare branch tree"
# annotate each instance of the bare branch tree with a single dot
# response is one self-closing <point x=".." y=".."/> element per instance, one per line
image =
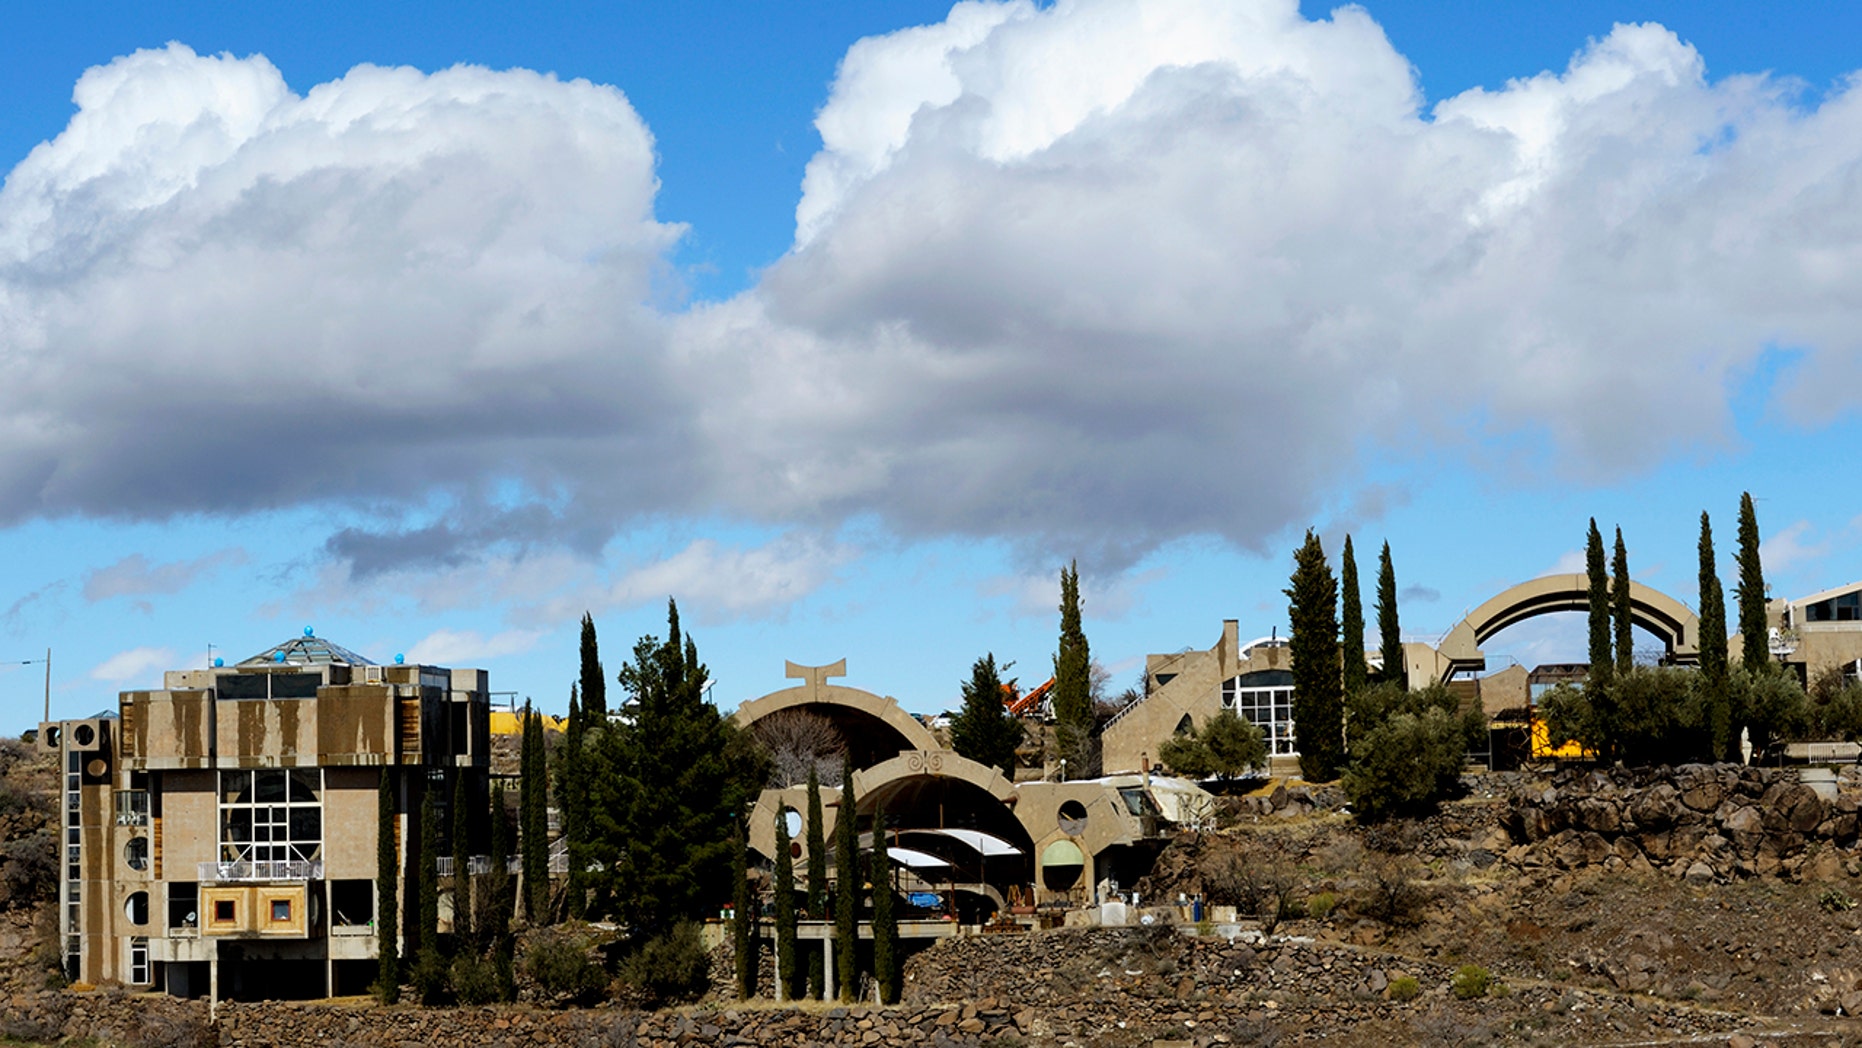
<point x="796" y="740"/>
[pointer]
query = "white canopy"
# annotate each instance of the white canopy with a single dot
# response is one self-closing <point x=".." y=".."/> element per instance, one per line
<point x="914" y="858"/>
<point x="983" y="843"/>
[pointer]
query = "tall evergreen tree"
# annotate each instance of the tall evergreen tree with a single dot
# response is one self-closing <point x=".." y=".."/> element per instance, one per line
<point x="495" y="923"/>
<point x="743" y="920"/>
<point x="429" y="967"/>
<point x="572" y="799"/>
<point x="1620" y="608"/>
<point x="847" y="885"/>
<point x="1318" y="693"/>
<point x="885" y="915"/>
<point x="1713" y="667"/>
<point x="462" y="858"/>
<point x="817" y="881"/>
<point x="984" y="730"/>
<point x="1755" y="632"/>
<point x="783" y="890"/>
<point x="387" y="892"/>
<point x="533" y="820"/>
<point x="1602" y="658"/>
<point x="1074" y="721"/>
<point x="1389" y="630"/>
<point x="1351" y="623"/>
<point x="594" y="682"/>
<point x="665" y="783"/>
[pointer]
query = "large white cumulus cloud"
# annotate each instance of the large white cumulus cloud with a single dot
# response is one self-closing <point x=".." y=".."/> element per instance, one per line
<point x="1110" y="272"/>
<point x="1090" y="277"/>
<point x="218" y="295"/>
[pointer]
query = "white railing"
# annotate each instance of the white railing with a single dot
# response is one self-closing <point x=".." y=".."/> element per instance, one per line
<point x="287" y="870"/>
<point x="132" y="808"/>
<point x="476" y="866"/>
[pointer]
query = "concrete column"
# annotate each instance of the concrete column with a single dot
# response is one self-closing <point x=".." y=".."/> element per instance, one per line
<point x="782" y="992"/>
<point x="827" y="970"/>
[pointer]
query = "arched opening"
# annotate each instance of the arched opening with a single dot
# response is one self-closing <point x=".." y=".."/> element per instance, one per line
<point x="136" y="908"/>
<point x="961" y="844"/>
<point x="1061" y="865"/>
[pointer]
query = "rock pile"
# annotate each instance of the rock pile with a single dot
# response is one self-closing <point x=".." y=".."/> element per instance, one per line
<point x="1698" y="822"/>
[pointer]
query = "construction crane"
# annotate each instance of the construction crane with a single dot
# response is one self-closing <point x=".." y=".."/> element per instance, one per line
<point x="1028" y="702"/>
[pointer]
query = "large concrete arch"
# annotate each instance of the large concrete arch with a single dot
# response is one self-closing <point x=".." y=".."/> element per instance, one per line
<point x="875" y="727"/>
<point x="1671" y="621"/>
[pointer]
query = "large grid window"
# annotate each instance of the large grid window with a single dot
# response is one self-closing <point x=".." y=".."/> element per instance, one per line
<point x="271" y="816"/>
<point x="1265" y="699"/>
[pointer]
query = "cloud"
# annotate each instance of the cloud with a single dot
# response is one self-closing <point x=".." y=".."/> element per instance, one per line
<point x="1419" y="595"/>
<point x="1570" y="562"/>
<point x="712" y="581"/>
<point x="1104" y="597"/>
<point x="134" y="576"/>
<point x="1088" y="277"/>
<point x="134" y="664"/>
<point x="469" y="647"/>
<point x="1789" y="549"/>
<point x="17" y="613"/>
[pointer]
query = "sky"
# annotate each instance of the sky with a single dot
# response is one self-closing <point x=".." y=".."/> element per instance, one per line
<point x="846" y="325"/>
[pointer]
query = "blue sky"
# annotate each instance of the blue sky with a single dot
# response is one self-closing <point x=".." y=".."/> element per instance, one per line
<point x="847" y="325"/>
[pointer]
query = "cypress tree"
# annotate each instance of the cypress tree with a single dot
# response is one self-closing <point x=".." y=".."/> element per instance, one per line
<point x="847" y="885"/>
<point x="496" y="924"/>
<point x="817" y="881"/>
<point x="743" y="937"/>
<point x="885" y="916"/>
<point x="1390" y="631"/>
<point x="1620" y="611"/>
<point x="1713" y="670"/>
<point x="1318" y="699"/>
<point x="984" y="730"/>
<point x="1351" y="623"/>
<point x="533" y="820"/>
<point x="594" y="682"/>
<point x="1602" y="659"/>
<point x="429" y="968"/>
<point x="1072" y="694"/>
<point x="1755" y="633"/>
<point x="784" y="889"/>
<point x="462" y="857"/>
<point x="572" y="796"/>
<point x="387" y="893"/>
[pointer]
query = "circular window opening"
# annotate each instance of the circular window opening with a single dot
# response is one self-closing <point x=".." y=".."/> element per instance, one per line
<point x="84" y="734"/>
<point x="794" y="820"/>
<point x="136" y="908"/>
<point x="136" y="853"/>
<point x="1061" y="864"/>
<point x="53" y="734"/>
<point x="1072" y="817"/>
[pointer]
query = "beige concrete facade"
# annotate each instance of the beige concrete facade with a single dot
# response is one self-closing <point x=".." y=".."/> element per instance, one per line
<point x="220" y="832"/>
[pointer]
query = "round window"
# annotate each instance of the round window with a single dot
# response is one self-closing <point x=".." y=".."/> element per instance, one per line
<point x="84" y="734"/>
<point x="794" y="819"/>
<point x="1072" y="818"/>
<point x="136" y="853"/>
<point x="136" y="908"/>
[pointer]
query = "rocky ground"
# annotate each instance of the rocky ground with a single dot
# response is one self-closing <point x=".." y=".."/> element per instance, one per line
<point x="28" y="867"/>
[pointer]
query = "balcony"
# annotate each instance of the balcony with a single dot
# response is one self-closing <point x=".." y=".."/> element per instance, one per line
<point x="245" y="872"/>
<point x="132" y="807"/>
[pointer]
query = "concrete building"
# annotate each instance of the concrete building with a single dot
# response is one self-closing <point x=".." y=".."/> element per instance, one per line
<point x="219" y="833"/>
<point x="1817" y="633"/>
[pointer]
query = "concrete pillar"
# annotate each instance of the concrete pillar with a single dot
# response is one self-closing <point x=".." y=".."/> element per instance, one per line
<point x="828" y="992"/>
<point x="782" y="992"/>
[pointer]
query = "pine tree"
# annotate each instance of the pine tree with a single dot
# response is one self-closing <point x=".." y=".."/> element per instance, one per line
<point x="1072" y="694"/>
<point x="885" y="915"/>
<point x="1318" y="693"/>
<point x="1713" y="668"/>
<point x="743" y="920"/>
<point x="429" y="967"/>
<point x="847" y="885"/>
<point x="1351" y="623"/>
<point x="572" y="797"/>
<point x="817" y="881"/>
<point x="387" y="892"/>
<point x="784" y="891"/>
<point x="462" y="858"/>
<point x="665" y="783"/>
<point x="1602" y="659"/>
<point x="984" y="730"/>
<point x="1620" y="609"/>
<point x="594" y="682"/>
<point x="1755" y="631"/>
<point x="1390" y="631"/>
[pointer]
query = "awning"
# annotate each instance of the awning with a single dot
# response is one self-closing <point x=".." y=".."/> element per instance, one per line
<point x="914" y="858"/>
<point x="989" y="846"/>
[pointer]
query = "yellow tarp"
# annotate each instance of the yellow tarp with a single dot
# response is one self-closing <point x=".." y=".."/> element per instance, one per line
<point x="1543" y="750"/>
<point x="507" y="722"/>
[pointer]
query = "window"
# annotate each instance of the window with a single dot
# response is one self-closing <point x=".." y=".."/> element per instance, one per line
<point x="281" y="910"/>
<point x="271" y="816"/>
<point x="136" y="908"/>
<point x="136" y="853"/>
<point x="1265" y="699"/>
<point x="225" y="911"/>
<point x="139" y="961"/>
<point x="183" y="905"/>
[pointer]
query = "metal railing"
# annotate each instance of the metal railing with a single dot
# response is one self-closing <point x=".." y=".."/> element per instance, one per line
<point x="286" y="870"/>
<point x="476" y="866"/>
<point x="132" y="807"/>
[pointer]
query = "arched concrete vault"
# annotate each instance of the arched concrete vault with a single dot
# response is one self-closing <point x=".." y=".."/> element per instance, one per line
<point x="1672" y="622"/>
<point x="875" y="728"/>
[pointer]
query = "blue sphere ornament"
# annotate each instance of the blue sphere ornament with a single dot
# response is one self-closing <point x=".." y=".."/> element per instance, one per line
<point x="278" y="657"/>
<point x="218" y="662"/>
<point x="308" y="632"/>
<point x="399" y="659"/>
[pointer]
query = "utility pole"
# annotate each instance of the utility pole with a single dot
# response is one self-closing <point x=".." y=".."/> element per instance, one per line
<point x="48" y="686"/>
